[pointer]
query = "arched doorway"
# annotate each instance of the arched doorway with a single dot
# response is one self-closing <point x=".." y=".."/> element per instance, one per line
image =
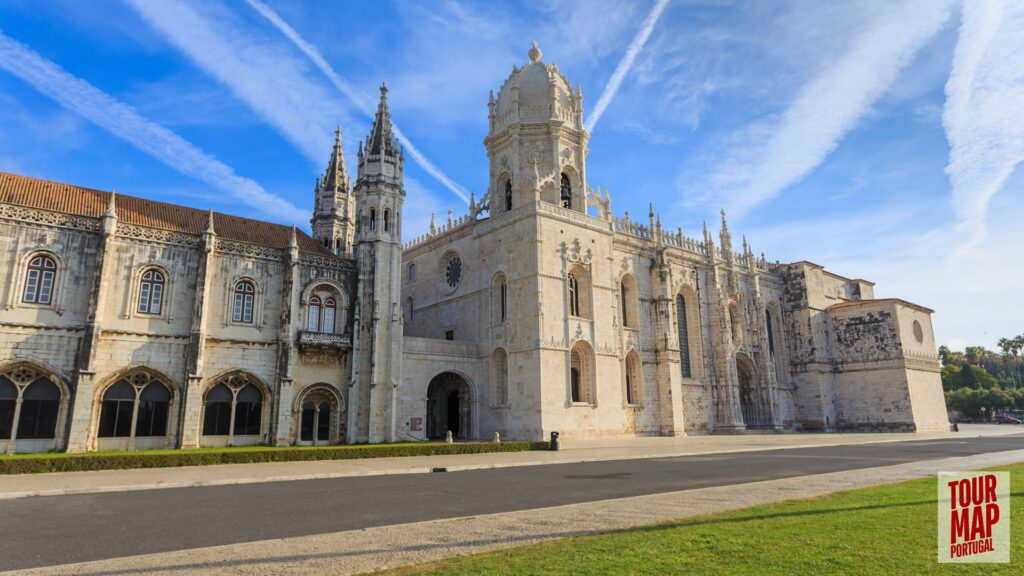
<point x="448" y="407"/>
<point x="321" y="414"/>
<point x="754" y="414"/>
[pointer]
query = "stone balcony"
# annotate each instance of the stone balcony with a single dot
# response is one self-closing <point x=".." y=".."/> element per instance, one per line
<point x="307" y="339"/>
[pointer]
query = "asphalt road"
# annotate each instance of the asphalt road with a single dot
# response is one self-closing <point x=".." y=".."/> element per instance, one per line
<point x="54" y="530"/>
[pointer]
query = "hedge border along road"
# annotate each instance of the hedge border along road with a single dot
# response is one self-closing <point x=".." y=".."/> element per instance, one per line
<point x="60" y="462"/>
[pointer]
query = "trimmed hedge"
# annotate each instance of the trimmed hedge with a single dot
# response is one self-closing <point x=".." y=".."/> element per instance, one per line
<point x="169" y="459"/>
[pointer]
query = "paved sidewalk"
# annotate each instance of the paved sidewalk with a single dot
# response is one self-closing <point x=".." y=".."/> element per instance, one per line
<point x="26" y="485"/>
<point x="359" y="551"/>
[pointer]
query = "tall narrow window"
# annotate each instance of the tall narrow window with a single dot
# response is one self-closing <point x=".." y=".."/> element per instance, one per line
<point x="42" y="271"/>
<point x="39" y="407"/>
<point x="574" y="295"/>
<point x="313" y="323"/>
<point x="629" y="380"/>
<point x="575" y="375"/>
<point x="116" y="411"/>
<point x="248" y="411"/>
<point x="330" y="307"/>
<point x="339" y="247"/>
<point x="373" y="218"/>
<point x="508" y="195"/>
<point x="151" y="292"/>
<point x="412" y="272"/>
<point x="684" y="339"/>
<point x="566" y="193"/>
<point x="217" y="411"/>
<point x="504" y="301"/>
<point x="154" y="402"/>
<point x="771" y="332"/>
<point x="625" y="304"/>
<point x="245" y="292"/>
<point x="499" y="362"/>
<point x="387" y="220"/>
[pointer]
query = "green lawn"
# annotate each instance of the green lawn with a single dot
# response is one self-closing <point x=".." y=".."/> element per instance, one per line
<point x="884" y="530"/>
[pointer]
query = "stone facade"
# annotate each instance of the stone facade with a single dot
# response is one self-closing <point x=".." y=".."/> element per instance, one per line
<point x="537" y="311"/>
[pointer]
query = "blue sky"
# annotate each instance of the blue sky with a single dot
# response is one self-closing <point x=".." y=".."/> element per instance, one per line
<point x="881" y="139"/>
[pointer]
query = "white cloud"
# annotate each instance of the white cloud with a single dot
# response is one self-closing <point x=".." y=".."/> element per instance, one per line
<point x="124" y="122"/>
<point x="276" y="85"/>
<point x="361" y="101"/>
<point x="984" y="115"/>
<point x="625" y="64"/>
<point x="769" y="157"/>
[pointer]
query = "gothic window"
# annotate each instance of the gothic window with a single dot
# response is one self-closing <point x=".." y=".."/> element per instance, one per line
<point x="574" y="295"/>
<point x="313" y="323"/>
<point x="339" y="247"/>
<point x="634" y="378"/>
<point x="630" y="306"/>
<point x="581" y="373"/>
<point x="373" y="218"/>
<point x="241" y="310"/>
<point x="412" y="272"/>
<point x="140" y="396"/>
<point x="566" y="193"/>
<point x="684" y="338"/>
<point x="499" y="294"/>
<point x="37" y="412"/>
<point x="330" y="309"/>
<point x="771" y="332"/>
<point x="151" y="292"/>
<point x="499" y="375"/>
<point x="42" y="272"/>
<point x="233" y="407"/>
<point x="315" y="425"/>
<point x="387" y="220"/>
<point x="508" y="195"/>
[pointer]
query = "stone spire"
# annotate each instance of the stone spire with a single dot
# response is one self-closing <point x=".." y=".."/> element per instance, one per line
<point x="336" y="176"/>
<point x="726" y="238"/>
<point x="381" y="139"/>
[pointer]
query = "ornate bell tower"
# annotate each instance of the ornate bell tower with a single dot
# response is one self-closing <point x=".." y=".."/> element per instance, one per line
<point x="377" y="350"/>
<point x="333" y="219"/>
<point x="536" y="139"/>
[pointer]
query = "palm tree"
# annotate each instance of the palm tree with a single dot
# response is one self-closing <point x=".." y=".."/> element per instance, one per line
<point x="1007" y="346"/>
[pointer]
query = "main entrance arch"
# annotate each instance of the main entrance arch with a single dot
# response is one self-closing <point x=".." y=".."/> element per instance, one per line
<point x="449" y="406"/>
<point x="755" y="413"/>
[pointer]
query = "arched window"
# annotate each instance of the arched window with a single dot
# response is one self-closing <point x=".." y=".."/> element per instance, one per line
<point x="581" y="373"/>
<point x="634" y="378"/>
<point x="566" y="193"/>
<point x="217" y="416"/>
<point x="151" y="292"/>
<point x="330" y="308"/>
<point x="630" y="306"/>
<point x="38" y="411"/>
<point x="154" y="402"/>
<point x="499" y="299"/>
<point x="241" y="311"/>
<point x="576" y="375"/>
<point x="412" y="272"/>
<point x="387" y="220"/>
<point x="684" y="337"/>
<point x="313" y="323"/>
<point x="574" y="295"/>
<point x="137" y="396"/>
<point x="508" y="195"/>
<point x="42" y="271"/>
<point x="8" y="404"/>
<point x="233" y="407"/>
<point x="771" y="332"/>
<point x="315" y="423"/>
<point x="499" y="375"/>
<point x="40" y="403"/>
<point x="373" y="218"/>
<point x="339" y="247"/>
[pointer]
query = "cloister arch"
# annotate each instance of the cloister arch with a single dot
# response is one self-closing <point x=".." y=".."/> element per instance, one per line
<point x="33" y="408"/>
<point x="320" y="415"/>
<point x="450" y="401"/>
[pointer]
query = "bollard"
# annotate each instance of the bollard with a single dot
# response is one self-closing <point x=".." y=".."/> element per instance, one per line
<point x="497" y="438"/>
<point x="554" y="441"/>
<point x="448" y="438"/>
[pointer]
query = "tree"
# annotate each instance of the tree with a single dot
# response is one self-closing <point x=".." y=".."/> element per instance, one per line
<point x="950" y="377"/>
<point x="976" y="377"/>
<point x="944" y="355"/>
<point x="1007" y="346"/>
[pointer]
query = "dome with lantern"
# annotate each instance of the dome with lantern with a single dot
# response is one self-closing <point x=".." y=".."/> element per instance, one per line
<point x="536" y="92"/>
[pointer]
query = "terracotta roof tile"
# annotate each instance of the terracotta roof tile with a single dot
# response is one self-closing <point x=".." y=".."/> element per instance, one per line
<point x="68" y="199"/>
